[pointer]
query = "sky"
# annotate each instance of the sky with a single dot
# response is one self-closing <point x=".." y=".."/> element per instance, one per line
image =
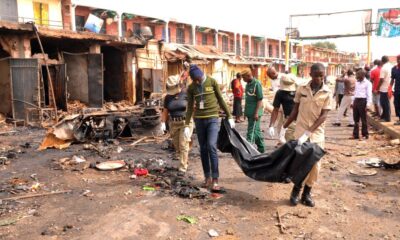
<point x="260" y="17"/>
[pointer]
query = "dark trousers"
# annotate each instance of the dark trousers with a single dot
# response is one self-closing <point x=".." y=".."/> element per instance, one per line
<point x="360" y="112"/>
<point x="340" y="97"/>
<point x="385" y="105"/>
<point x="207" y="134"/>
<point x="396" y="101"/>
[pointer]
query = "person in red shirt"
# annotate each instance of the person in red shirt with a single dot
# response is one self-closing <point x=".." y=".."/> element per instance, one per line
<point x="375" y="77"/>
<point x="237" y="90"/>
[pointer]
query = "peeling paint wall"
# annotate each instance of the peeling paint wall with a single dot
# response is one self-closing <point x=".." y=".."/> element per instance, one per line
<point x="26" y="12"/>
<point x="5" y="88"/>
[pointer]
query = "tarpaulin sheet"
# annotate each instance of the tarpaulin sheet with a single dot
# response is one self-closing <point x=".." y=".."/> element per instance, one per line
<point x="289" y="160"/>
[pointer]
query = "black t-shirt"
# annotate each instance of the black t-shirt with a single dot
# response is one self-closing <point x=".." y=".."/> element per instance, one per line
<point x="286" y="99"/>
<point x="176" y="104"/>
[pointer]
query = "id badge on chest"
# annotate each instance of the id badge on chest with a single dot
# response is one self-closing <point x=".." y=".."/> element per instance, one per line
<point x="201" y="104"/>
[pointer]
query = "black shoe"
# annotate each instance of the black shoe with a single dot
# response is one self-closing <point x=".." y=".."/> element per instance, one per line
<point x="336" y="124"/>
<point x="306" y="198"/>
<point x="350" y="125"/>
<point x="287" y="180"/>
<point x="294" y="196"/>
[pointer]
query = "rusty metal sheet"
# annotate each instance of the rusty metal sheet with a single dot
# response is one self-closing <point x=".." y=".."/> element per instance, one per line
<point x="95" y="78"/>
<point x="24" y="81"/>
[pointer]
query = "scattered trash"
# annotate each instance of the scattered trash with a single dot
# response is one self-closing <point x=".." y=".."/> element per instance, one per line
<point x="10" y="221"/>
<point x="35" y="195"/>
<point x="188" y="219"/>
<point x="217" y="195"/>
<point x="370" y="162"/>
<point x="378" y="163"/>
<point x="395" y="142"/>
<point x="213" y="233"/>
<point x="361" y="153"/>
<point x="51" y="141"/>
<point x="133" y="176"/>
<point x="119" y="149"/>
<point x="35" y="187"/>
<point x="363" y="172"/>
<point x="140" y="172"/>
<point x="147" y="188"/>
<point x="34" y="177"/>
<point x="4" y="161"/>
<point x="11" y="155"/>
<point x="190" y="192"/>
<point x="282" y="227"/>
<point x="129" y="192"/>
<point x="86" y="193"/>
<point x="78" y="159"/>
<point x="76" y="163"/>
<point x="111" y="165"/>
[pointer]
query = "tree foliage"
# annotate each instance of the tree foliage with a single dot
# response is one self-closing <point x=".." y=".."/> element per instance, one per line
<point x="325" y="44"/>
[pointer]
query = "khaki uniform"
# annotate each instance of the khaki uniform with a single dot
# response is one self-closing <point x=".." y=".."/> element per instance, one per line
<point x="310" y="109"/>
<point x="181" y="144"/>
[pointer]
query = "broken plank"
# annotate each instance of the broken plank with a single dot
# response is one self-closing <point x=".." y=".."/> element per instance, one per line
<point x="34" y="195"/>
<point x="281" y="226"/>
<point x="138" y="141"/>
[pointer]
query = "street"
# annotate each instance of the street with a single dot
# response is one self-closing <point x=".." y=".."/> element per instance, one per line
<point x="109" y="203"/>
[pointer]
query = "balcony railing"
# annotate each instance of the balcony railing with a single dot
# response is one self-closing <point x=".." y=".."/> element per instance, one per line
<point x="37" y="21"/>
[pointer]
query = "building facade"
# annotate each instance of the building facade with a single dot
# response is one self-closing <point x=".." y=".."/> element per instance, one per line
<point x="107" y="55"/>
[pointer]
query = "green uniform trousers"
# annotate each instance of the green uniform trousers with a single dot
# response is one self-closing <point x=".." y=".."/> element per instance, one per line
<point x="254" y="134"/>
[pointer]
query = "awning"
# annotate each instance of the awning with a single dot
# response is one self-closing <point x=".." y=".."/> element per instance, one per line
<point x="181" y="51"/>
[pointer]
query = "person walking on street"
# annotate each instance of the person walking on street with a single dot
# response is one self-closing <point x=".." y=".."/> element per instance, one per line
<point x="349" y="85"/>
<point x="204" y="102"/>
<point x="375" y="78"/>
<point x="383" y="87"/>
<point x="174" y="112"/>
<point x="283" y="97"/>
<point x="253" y="109"/>
<point x="396" y="93"/>
<point x="361" y="100"/>
<point x="339" y="89"/>
<point x="312" y="104"/>
<point x="237" y="90"/>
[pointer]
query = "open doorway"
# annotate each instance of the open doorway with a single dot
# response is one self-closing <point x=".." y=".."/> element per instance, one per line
<point x="114" y="84"/>
<point x="58" y="77"/>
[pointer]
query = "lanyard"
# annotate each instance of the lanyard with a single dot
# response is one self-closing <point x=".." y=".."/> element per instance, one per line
<point x="201" y="89"/>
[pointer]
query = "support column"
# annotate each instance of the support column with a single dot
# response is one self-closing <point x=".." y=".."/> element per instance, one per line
<point x="166" y="32"/>
<point x="194" y="35"/>
<point x="266" y="48"/>
<point x="216" y="38"/>
<point x="280" y="50"/>
<point x="234" y="43"/>
<point x="240" y="45"/>
<point x="72" y="17"/>
<point x="250" y="46"/>
<point x="287" y="49"/>
<point x="119" y="15"/>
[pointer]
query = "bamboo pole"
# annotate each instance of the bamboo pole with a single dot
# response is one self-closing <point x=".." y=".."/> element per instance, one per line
<point x="47" y="70"/>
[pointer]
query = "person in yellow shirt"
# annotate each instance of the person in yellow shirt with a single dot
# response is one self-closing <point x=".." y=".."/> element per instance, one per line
<point x="312" y="104"/>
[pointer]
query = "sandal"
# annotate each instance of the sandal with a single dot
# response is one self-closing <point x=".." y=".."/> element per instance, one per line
<point x="217" y="189"/>
<point x="207" y="183"/>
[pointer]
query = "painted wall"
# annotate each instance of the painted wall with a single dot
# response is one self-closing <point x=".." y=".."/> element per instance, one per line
<point x="25" y="11"/>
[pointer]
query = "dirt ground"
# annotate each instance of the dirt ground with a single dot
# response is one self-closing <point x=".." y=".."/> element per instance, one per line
<point x="111" y="205"/>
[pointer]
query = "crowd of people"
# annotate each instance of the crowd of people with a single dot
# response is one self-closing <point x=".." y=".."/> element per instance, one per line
<point x="360" y="90"/>
<point x="303" y="109"/>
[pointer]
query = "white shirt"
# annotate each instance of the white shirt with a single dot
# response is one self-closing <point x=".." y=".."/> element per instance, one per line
<point x="363" y="89"/>
<point x="386" y="74"/>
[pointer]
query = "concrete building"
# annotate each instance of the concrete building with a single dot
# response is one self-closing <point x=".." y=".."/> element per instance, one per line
<point x="106" y="55"/>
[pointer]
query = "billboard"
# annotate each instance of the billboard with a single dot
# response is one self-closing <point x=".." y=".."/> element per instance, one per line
<point x="94" y="23"/>
<point x="388" y="22"/>
<point x="331" y="25"/>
